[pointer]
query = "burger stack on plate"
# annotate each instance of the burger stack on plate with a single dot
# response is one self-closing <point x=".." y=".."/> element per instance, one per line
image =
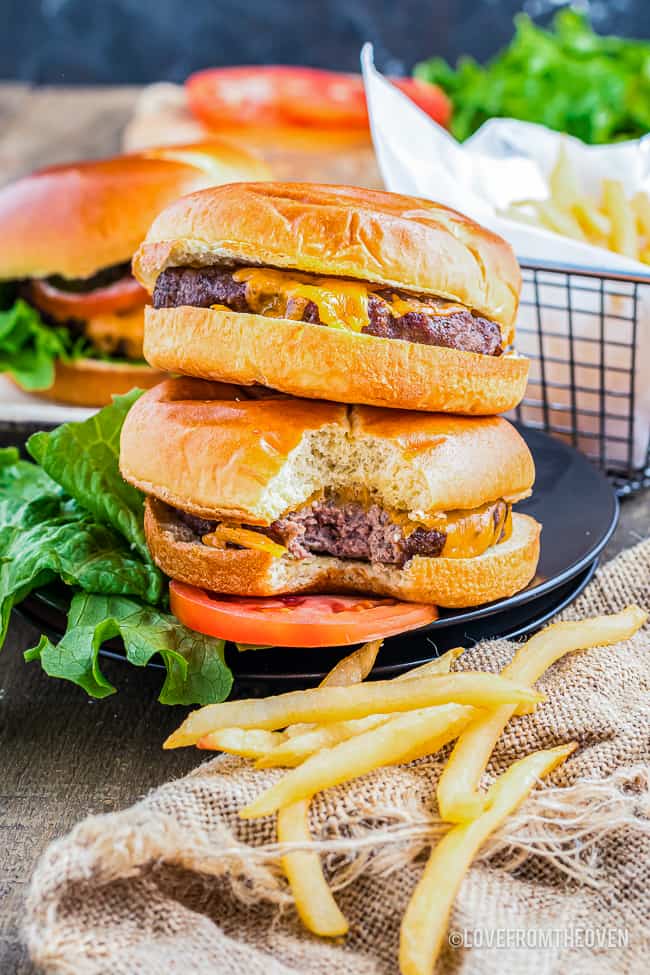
<point x="342" y="356"/>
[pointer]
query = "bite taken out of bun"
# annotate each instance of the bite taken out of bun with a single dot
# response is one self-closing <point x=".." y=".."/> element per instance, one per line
<point x="396" y="251"/>
<point x="207" y="455"/>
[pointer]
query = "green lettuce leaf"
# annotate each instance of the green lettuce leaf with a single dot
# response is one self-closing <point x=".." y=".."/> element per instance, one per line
<point x="84" y="459"/>
<point x="74" y="519"/>
<point x="569" y="79"/>
<point x="196" y="671"/>
<point x="29" y="348"/>
<point x="46" y="538"/>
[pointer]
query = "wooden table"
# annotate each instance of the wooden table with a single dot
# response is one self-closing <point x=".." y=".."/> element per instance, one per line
<point x="64" y="755"/>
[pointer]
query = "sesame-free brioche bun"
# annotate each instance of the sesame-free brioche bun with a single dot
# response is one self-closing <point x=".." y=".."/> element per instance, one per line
<point x="330" y="363"/>
<point x="78" y="218"/>
<point x="200" y="447"/>
<point x="94" y="382"/>
<point x="501" y="571"/>
<point x="341" y="231"/>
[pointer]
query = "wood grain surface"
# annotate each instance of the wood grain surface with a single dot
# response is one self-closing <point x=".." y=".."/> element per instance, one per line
<point x="63" y="756"/>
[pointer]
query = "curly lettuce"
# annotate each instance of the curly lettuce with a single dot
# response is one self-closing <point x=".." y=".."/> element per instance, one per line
<point x="568" y="78"/>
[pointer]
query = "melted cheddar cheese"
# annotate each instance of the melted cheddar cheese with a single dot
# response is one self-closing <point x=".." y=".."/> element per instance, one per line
<point x="341" y="303"/>
<point x="236" y="535"/>
<point x="469" y="533"/>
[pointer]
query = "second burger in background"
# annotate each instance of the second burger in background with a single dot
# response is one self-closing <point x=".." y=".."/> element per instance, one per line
<point x="73" y="320"/>
<point x="334" y="292"/>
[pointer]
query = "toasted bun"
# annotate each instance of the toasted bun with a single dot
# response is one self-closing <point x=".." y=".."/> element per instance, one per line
<point x="500" y="572"/>
<point x="343" y="231"/>
<point x="93" y="382"/>
<point x="331" y="363"/>
<point x="78" y="218"/>
<point x="254" y="460"/>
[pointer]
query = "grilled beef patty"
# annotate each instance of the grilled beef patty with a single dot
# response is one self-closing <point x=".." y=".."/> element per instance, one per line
<point x="346" y="531"/>
<point x="462" y="330"/>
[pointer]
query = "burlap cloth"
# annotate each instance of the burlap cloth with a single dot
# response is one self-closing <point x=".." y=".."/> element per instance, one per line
<point x="178" y="884"/>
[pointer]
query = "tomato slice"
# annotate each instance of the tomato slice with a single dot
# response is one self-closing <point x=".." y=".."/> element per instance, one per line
<point x="295" y="621"/>
<point x="278" y="95"/>
<point x="121" y="296"/>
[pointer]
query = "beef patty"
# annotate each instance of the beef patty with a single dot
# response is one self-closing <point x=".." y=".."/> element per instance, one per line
<point x="462" y="330"/>
<point x="347" y="530"/>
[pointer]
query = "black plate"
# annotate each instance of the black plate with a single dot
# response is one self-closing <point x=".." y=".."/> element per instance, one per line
<point x="578" y="510"/>
<point x="254" y="669"/>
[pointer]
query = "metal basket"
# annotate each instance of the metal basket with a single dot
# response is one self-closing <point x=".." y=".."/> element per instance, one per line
<point x="587" y="334"/>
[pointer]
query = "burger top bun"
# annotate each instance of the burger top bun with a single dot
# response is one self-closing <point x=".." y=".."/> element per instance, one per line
<point x="78" y="218"/>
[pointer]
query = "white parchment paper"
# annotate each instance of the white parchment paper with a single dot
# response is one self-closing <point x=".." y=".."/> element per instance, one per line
<point x="505" y="161"/>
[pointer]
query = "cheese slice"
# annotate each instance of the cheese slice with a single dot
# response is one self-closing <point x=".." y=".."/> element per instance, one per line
<point x="341" y="303"/>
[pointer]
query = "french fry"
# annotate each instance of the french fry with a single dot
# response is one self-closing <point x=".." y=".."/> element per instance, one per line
<point x="294" y="750"/>
<point x="563" y="181"/>
<point x="355" y="667"/>
<point x="247" y="742"/>
<point x="623" y="238"/>
<point x="385" y="745"/>
<point x="595" y="224"/>
<point x="300" y="746"/>
<point x="640" y="204"/>
<point x="458" y="797"/>
<point x="314" y="901"/>
<point x="561" y="221"/>
<point x="425" y="922"/>
<point x="325" y="704"/>
<point x="350" y="670"/>
<point x="439" y="665"/>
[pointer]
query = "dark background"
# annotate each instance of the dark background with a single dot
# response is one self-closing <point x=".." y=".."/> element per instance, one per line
<point x="137" y="41"/>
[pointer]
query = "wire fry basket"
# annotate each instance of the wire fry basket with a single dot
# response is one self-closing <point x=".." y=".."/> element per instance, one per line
<point x="587" y="335"/>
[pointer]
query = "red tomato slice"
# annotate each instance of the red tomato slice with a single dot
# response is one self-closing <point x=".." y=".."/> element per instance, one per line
<point x="121" y="296"/>
<point x="295" y="621"/>
<point x="278" y="95"/>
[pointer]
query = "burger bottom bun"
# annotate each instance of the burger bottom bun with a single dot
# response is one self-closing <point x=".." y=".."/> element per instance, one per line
<point x="93" y="382"/>
<point x="320" y="362"/>
<point x="500" y="572"/>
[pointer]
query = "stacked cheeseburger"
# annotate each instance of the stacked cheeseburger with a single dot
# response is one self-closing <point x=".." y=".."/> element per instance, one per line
<point x="391" y="318"/>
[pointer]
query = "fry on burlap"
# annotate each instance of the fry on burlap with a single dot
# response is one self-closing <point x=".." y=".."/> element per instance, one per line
<point x="178" y="884"/>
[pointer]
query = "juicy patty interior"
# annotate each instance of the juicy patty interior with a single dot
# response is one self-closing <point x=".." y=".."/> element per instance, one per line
<point x="337" y="302"/>
<point x="351" y="530"/>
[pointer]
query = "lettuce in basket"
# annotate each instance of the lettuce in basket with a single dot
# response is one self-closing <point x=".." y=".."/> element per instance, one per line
<point x="71" y="517"/>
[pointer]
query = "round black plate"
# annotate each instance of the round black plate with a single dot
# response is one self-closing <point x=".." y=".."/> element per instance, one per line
<point x="253" y="669"/>
<point x="578" y="510"/>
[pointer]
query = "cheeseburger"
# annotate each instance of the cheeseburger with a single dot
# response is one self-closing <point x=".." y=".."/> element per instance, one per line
<point x="73" y="324"/>
<point x="276" y="495"/>
<point x="334" y="292"/>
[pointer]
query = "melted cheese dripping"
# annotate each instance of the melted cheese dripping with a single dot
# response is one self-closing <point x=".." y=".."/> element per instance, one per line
<point x="341" y="303"/>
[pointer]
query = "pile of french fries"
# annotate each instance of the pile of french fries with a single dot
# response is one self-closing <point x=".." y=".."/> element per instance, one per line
<point x="345" y="728"/>
<point x="613" y="220"/>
